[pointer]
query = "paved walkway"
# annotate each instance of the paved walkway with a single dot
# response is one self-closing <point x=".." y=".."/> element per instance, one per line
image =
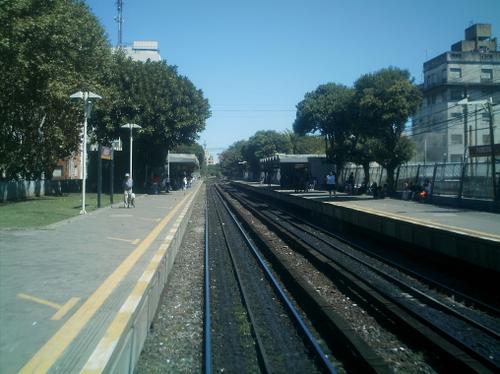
<point x="470" y="222"/>
<point x="61" y="285"/>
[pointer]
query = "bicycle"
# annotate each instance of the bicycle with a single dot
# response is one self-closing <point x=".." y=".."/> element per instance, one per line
<point x="129" y="199"/>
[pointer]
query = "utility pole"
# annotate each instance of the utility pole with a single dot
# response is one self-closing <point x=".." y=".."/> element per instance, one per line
<point x="489" y="106"/>
<point x="119" y="20"/>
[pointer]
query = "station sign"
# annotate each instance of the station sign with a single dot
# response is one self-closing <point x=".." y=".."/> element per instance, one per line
<point x="483" y="150"/>
<point x="106" y="153"/>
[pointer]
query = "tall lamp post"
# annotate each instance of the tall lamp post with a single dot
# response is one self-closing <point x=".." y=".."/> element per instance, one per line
<point x="87" y="98"/>
<point x="488" y="106"/>
<point x="131" y="126"/>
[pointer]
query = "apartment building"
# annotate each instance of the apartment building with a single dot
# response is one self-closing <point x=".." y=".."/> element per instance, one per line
<point x="442" y="128"/>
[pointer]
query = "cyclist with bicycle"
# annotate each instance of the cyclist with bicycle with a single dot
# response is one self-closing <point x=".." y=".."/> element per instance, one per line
<point x="128" y="196"/>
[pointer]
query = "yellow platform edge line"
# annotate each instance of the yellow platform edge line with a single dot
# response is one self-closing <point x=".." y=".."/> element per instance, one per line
<point x="102" y="354"/>
<point x="435" y="225"/>
<point x="65" y="309"/>
<point x="48" y="354"/>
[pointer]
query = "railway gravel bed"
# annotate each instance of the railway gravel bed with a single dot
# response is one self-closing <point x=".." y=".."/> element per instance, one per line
<point x="174" y="344"/>
<point x="399" y="356"/>
<point x="283" y="346"/>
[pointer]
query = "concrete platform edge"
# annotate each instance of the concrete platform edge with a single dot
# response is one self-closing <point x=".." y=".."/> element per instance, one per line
<point x="119" y="349"/>
<point x="481" y="252"/>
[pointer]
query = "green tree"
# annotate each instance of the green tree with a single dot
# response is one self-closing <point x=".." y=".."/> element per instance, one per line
<point x="231" y="160"/>
<point x="170" y="109"/>
<point x="305" y="144"/>
<point x="263" y="144"/>
<point x="326" y="111"/>
<point x="48" y="50"/>
<point x="386" y="99"/>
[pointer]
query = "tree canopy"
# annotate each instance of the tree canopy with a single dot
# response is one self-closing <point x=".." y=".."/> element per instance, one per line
<point x="262" y="144"/>
<point x="48" y="50"/>
<point x="326" y="111"/>
<point x="231" y="159"/>
<point x="385" y="101"/>
<point x="168" y="107"/>
<point x="51" y="49"/>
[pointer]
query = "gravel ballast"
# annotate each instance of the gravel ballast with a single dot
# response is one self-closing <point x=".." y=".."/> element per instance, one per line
<point x="175" y="342"/>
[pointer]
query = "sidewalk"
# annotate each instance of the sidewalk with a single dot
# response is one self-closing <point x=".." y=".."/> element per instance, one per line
<point x="61" y="285"/>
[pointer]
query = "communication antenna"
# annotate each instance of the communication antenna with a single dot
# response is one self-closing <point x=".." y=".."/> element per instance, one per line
<point x="119" y="20"/>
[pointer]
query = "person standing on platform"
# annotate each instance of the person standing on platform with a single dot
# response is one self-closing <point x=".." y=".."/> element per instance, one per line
<point x="331" y="180"/>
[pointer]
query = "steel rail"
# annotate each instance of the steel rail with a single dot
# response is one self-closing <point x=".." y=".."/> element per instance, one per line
<point x="310" y="339"/>
<point x="300" y="240"/>
<point x="488" y="308"/>
<point x="414" y="291"/>
<point x="261" y="352"/>
<point x="207" y="325"/>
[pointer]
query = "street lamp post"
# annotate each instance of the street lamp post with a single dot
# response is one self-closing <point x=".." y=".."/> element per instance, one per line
<point x="87" y="98"/>
<point x="131" y="126"/>
<point x="488" y="106"/>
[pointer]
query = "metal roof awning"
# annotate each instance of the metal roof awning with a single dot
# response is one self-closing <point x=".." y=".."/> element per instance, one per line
<point x="281" y="158"/>
<point x="182" y="158"/>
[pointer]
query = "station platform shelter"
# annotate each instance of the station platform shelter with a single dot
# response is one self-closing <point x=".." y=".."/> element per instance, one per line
<point x="295" y="171"/>
<point x="180" y="165"/>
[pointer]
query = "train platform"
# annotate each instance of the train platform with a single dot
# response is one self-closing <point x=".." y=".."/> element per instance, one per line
<point x="468" y="235"/>
<point x="79" y="295"/>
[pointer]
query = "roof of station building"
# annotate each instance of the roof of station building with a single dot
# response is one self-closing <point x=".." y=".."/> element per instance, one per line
<point x="183" y="158"/>
<point x="291" y="159"/>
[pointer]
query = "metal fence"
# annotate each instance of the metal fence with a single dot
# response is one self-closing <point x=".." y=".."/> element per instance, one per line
<point x="453" y="179"/>
<point x="19" y="190"/>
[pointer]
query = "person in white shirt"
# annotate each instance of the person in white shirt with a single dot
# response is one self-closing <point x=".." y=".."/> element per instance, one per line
<point x="331" y="180"/>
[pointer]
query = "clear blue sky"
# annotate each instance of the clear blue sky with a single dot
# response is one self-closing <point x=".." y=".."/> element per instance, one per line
<point x="255" y="59"/>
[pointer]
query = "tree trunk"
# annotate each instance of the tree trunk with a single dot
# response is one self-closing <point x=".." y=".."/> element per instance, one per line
<point x="366" y="171"/>
<point x="390" y="180"/>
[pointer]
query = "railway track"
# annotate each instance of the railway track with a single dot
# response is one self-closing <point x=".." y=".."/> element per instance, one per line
<point x="250" y="324"/>
<point x="463" y="337"/>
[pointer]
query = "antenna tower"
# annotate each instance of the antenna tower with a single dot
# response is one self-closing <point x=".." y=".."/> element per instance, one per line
<point x="119" y="20"/>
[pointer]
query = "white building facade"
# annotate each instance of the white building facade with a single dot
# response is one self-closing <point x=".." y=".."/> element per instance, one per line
<point x="143" y="50"/>
<point x="442" y="129"/>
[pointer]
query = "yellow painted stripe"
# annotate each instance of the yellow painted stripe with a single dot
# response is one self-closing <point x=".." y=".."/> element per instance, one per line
<point x="104" y="350"/>
<point x="39" y="301"/>
<point x="427" y="222"/>
<point x="65" y="309"/>
<point x="43" y="360"/>
<point x="135" y="241"/>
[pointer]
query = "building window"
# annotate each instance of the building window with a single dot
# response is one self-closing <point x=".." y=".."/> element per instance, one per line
<point x="485" y="117"/>
<point x="486" y="138"/>
<point x="455" y="73"/>
<point x="456" y="138"/>
<point x="486" y="75"/>
<point x="456" y="94"/>
<point x="456" y="158"/>
<point x="433" y="99"/>
<point x="456" y="115"/>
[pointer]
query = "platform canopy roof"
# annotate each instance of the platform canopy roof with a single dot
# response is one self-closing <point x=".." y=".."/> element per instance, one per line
<point x="183" y="158"/>
<point x="281" y="158"/>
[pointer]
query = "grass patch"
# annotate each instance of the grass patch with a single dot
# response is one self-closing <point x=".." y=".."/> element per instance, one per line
<point x="45" y="210"/>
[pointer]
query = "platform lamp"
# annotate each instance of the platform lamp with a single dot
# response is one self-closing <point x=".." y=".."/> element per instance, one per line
<point x="87" y="98"/>
<point x="131" y="126"/>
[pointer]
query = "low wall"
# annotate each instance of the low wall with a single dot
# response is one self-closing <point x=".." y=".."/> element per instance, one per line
<point x="20" y="190"/>
<point x="481" y="252"/>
